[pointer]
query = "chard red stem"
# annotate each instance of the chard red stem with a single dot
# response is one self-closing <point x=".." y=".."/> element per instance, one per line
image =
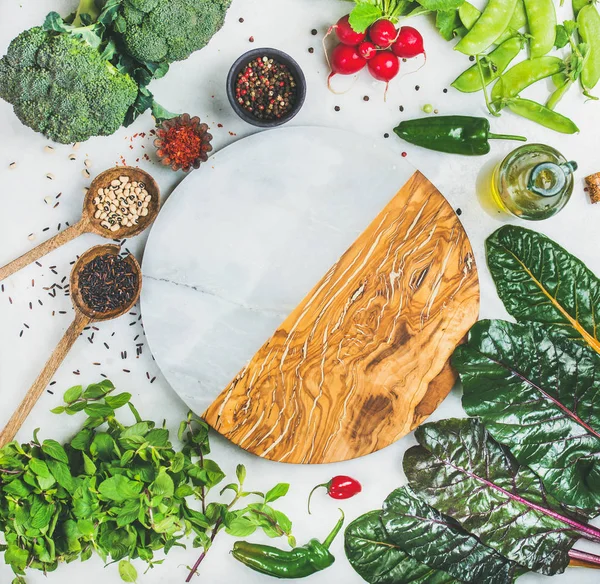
<point x="587" y="531"/>
<point x="585" y="557"/>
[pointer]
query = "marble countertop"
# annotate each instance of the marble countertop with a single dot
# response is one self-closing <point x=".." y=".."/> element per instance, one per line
<point x="32" y="321"/>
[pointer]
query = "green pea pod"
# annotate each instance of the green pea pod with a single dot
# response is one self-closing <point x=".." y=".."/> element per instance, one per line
<point x="541" y="16"/>
<point x="578" y="5"/>
<point x="517" y="22"/>
<point x="559" y="93"/>
<point x="491" y="24"/>
<point x="522" y="75"/>
<point x="469" y="15"/>
<point x="588" y="21"/>
<point x="496" y="63"/>
<point x="536" y="112"/>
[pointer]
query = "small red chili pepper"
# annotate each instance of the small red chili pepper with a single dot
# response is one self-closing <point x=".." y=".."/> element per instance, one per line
<point x="339" y="487"/>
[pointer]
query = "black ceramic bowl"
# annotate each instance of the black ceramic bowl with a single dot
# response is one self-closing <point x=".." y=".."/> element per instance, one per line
<point x="281" y="57"/>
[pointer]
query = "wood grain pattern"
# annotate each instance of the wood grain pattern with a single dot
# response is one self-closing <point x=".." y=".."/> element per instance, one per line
<point x="363" y="359"/>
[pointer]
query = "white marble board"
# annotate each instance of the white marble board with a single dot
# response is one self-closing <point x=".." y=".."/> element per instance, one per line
<point x="242" y="241"/>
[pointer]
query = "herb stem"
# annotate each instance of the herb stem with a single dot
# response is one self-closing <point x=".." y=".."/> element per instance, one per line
<point x="213" y="535"/>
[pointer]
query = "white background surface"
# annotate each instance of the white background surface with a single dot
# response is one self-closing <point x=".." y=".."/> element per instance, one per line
<point x="197" y="86"/>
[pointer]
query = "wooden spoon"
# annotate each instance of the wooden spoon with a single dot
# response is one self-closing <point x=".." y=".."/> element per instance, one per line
<point x="88" y="223"/>
<point x="83" y="317"/>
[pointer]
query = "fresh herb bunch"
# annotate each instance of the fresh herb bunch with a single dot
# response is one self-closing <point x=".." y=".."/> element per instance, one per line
<point x="512" y="489"/>
<point x="121" y="491"/>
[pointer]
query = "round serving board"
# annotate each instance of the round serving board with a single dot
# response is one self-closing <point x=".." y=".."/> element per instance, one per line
<point x="305" y="289"/>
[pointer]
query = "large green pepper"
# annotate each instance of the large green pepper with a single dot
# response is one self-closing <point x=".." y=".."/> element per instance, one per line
<point x="453" y="134"/>
<point x="297" y="563"/>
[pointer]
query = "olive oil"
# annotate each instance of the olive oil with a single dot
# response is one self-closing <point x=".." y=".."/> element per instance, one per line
<point x="533" y="182"/>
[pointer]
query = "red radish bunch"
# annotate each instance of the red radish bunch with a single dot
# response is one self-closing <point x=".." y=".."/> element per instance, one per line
<point x="380" y="48"/>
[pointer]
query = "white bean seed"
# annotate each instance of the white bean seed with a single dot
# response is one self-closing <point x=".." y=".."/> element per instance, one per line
<point x="115" y="183"/>
<point x="88" y="163"/>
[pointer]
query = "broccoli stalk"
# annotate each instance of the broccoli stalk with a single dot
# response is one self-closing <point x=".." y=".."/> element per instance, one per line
<point x="86" y="7"/>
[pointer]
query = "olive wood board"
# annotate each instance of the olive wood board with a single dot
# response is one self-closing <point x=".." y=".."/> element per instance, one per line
<point x="364" y="358"/>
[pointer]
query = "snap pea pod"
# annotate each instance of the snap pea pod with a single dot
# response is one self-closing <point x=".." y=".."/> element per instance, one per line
<point x="541" y="17"/>
<point x="536" y="112"/>
<point x="578" y="5"/>
<point x="563" y="83"/>
<point x="495" y="63"/>
<point x="522" y="75"/>
<point x="491" y="24"/>
<point x="588" y="21"/>
<point x="469" y="15"/>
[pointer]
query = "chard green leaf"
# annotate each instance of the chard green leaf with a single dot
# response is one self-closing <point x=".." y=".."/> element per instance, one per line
<point x="462" y="472"/>
<point x="538" y="395"/>
<point x="53" y="449"/>
<point x="438" y="541"/>
<point x="541" y="282"/>
<point x="379" y="561"/>
<point x="119" y="488"/>
<point x="127" y="572"/>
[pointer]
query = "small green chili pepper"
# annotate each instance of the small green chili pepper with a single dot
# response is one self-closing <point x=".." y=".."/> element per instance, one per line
<point x="522" y="75"/>
<point x="541" y="16"/>
<point x="491" y="24"/>
<point x="588" y="21"/>
<point x="544" y="116"/>
<point x="493" y="65"/>
<point x="453" y="134"/>
<point x="297" y="563"/>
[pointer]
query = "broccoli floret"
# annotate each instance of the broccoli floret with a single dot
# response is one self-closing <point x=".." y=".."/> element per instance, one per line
<point x="168" y="30"/>
<point x="62" y="87"/>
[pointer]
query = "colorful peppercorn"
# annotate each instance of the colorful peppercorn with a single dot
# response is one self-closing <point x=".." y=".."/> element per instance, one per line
<point x="266" y="89"/>
<point x="339" y="487"/>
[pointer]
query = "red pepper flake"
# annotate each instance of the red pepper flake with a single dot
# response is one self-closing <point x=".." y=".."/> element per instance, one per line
<point x="219" y="125"/>
<point x="182" y="145"/>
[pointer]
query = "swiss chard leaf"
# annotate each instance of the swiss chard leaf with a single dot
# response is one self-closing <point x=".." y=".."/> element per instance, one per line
<point x="538" y="395"/>
<point x="541" y="282"/>
<point x="462" y="472"/>
<point x="379" y="561"/>
<point x="438" y="541"/>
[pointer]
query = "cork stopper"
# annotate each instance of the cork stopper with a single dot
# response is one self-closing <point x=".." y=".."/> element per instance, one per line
<point x="593" y="185"/>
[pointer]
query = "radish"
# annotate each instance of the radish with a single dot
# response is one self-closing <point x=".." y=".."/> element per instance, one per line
<point x="367" y="50"/>
<point x="345" y="33"/>
<point x="409" y="43"/>
<point x="384" y="66"/>
<point x="383" y="33"/>
<point x="345" y="60"/>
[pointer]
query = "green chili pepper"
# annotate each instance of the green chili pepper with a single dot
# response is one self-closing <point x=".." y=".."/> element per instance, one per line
<point x="541" y="16"/>
<point x="453" y="134"/>
<point x="544" y="116"/>
<point x="297" y="563"/>
<point x="493" y="65"/>
<point x="522" y="75"/>
<point x="588" y="21"/>
<point x="491" y="24"/>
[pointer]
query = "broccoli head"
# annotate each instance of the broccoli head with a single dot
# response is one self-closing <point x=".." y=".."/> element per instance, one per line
<point x="62" y="87"/>
<point x="168" y="30"/>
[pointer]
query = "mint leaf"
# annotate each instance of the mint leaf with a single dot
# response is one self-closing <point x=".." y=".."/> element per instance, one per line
<point x="278" y="491"/>
<point x="53" y="449"/>
<point x="73" y="394"/>
<point x="117" y="401"/>
<point x="364" y="15"/>
<point x="127" y="572"/>
<point x="120" y="488"/>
